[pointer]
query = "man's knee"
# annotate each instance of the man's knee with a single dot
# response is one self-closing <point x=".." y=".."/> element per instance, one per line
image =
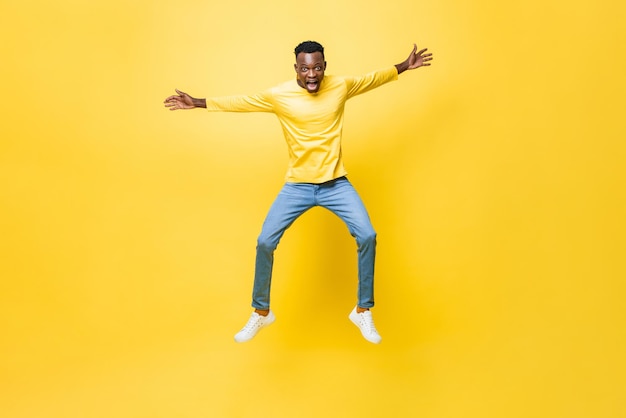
<point x="266" y="244"/>
<point x="367" y="238"/>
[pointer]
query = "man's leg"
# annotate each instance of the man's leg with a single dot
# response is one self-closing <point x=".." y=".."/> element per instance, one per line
<point x="341" y="198"/>
<point x="293" y="200"/>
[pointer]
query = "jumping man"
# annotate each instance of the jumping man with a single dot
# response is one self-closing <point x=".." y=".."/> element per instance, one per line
<point x="310" y="111"/>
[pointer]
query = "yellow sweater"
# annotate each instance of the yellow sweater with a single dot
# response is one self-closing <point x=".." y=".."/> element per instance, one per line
<point x="312" y="122"/>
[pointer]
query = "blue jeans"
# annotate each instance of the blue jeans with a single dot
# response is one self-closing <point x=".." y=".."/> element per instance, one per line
<point x="338" y="196"/>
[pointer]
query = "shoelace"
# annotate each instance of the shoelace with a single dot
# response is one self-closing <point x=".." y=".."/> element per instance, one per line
<point x="368" y="322"/>
<point x="254" y="322"/>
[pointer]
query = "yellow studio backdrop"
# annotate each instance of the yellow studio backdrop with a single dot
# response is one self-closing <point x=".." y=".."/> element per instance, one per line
<point x="494" y="178"/>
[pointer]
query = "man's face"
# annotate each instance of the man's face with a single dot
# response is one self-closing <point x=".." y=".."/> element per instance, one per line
<point x="310" y="70"/>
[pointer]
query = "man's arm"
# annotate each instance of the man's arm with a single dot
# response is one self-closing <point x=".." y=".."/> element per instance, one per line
<point x="358" y="85"/>
<point x="183" y="101"/>
<point x="415" y="60"/>
<point x="260" y="102"/>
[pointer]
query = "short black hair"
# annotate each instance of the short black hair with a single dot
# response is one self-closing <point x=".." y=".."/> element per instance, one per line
<point x="309" y="47"/>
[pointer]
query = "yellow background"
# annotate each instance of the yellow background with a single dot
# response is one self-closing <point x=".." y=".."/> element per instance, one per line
<point x="494" y="178"/>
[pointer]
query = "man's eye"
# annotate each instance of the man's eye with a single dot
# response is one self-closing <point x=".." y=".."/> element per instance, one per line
<point x="304" y="69"/>
<point x="318" y="68"/>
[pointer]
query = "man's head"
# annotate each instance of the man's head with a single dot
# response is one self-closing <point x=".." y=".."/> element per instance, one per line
<point x="310" y="65"/>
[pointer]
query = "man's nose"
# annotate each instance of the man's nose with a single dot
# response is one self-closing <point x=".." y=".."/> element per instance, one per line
<point x="310" y="73"/>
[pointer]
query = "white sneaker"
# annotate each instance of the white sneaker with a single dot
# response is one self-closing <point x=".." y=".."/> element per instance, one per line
<point x="255" y="323"/>
<point x="365" y="322"/>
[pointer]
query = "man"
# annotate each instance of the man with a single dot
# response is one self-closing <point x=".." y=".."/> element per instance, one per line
<point x="310" y="111"/>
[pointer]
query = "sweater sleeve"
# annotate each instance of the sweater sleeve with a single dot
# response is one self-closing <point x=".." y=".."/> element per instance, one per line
<point x="260" y="102"/>
<point x="358" y="85"/>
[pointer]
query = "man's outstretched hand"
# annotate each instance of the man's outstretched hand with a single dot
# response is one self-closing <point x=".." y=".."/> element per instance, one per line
<point x="415" y="60"/>
<point x="183" y="101"/>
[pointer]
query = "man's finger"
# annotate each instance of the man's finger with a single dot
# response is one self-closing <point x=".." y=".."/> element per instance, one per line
<point x="173" y="106"/>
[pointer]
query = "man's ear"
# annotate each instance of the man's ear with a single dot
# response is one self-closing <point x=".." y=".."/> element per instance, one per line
<point x="295" y="67"/>
<point x="324" y="65"/>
